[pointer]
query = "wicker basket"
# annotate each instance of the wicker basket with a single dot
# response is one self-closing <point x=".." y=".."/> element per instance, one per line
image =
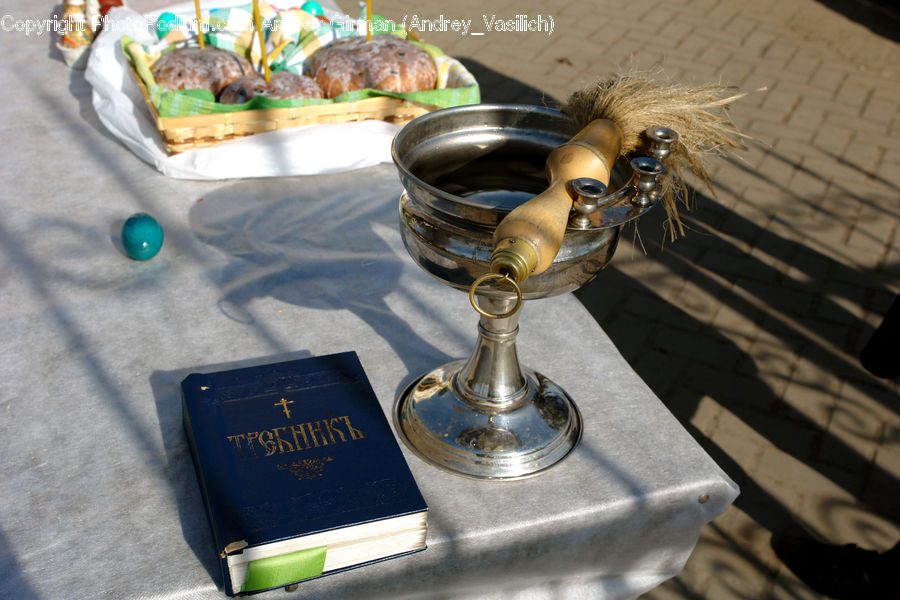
<point x="186" y="133"/>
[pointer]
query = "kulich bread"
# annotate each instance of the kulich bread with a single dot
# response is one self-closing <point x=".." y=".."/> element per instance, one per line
<point x="283" y="85"/>
<point x="386" y="62"/>
<point x="194" y="68"/>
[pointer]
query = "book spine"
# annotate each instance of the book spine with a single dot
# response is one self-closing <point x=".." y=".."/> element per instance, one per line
<point x="195" y="423"/>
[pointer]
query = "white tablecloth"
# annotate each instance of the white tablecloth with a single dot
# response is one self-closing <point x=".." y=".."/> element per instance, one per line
<point x="99" y="497"/>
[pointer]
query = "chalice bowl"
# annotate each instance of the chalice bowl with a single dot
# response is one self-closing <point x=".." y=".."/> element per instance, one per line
<point x="464" y="170"/>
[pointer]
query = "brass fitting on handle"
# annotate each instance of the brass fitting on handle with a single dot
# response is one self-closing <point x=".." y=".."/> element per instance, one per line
<point x="513" y="257"/>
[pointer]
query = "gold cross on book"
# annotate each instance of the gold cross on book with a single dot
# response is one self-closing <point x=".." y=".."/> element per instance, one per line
<point x="283" y="404"/>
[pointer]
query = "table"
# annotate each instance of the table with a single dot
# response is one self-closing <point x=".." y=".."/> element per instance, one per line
<point x="100" y="499"/>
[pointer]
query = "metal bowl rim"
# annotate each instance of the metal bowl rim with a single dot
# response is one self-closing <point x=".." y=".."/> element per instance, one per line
<point x="443" y="113"/>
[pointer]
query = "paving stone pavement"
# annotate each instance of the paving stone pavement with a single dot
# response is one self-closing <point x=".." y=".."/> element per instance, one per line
<point x="748" y="328"/>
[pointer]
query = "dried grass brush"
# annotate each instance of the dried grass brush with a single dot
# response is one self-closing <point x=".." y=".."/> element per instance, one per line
<point x="612" y="116"/>
<point x="635" y="103"/>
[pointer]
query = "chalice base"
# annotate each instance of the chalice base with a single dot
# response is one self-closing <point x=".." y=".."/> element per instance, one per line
<point x="509" y="438"/>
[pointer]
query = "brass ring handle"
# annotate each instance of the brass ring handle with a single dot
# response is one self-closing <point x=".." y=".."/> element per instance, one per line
<point x="501" y="276"/>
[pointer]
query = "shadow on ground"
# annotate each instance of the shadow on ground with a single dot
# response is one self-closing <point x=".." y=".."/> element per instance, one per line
<point x="687" y="361"/>
<point x="499" y="88"/>
<point x="881" y="17"/>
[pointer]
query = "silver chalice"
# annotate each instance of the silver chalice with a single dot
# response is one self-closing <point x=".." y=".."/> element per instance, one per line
<point x="463" y="171"/>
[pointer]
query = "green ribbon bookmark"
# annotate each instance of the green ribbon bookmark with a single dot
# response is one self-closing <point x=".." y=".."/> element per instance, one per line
<point x="284" y="569"/>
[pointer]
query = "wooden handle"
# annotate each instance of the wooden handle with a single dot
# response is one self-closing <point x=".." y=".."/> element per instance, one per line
<point x="528" y="239"/>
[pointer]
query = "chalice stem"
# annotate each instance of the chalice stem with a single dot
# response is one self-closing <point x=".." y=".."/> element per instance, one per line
<point x="486" y="417"/>
<point x="492" y="378"/>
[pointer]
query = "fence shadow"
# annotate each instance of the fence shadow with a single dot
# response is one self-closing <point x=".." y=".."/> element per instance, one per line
<point x="881" y="17"/>
<point x="685" y="360"/>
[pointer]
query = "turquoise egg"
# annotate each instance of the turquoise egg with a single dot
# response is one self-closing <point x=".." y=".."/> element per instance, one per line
<point x="166" y="23"/>
<point x="142" y="236"/>
<point x="313" y="8"/>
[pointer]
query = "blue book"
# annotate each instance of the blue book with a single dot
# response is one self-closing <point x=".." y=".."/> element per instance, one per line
<point x="300" y="472"/>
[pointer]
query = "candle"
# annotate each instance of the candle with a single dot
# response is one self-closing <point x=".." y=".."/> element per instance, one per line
<point x="199" y="23"/>
<point x="257" y="21"/>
